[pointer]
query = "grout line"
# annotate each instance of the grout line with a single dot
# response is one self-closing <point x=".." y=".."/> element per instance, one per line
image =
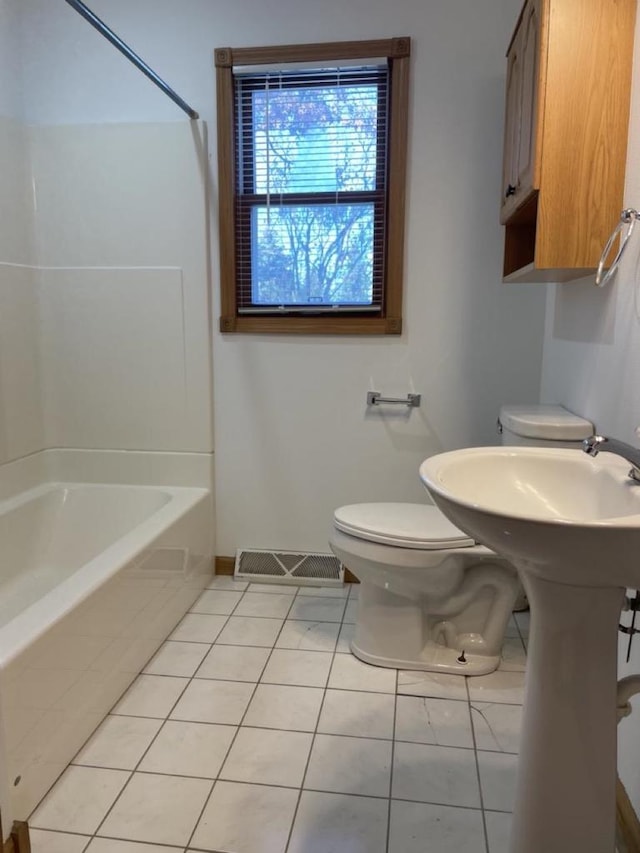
<point x="315" y="732"/>
<point x="393" y="752"/>
<point x="477" y="763"/>
<point x="142" y="757"/>
<point x="234" y="738"/>
<point x="151" y="844"/>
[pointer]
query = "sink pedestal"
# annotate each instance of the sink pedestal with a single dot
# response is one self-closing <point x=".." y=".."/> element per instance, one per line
<point x="571" y="524"/>
<point x="565" y="798"/>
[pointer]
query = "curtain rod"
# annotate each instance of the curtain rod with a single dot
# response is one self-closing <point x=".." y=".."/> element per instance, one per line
<point x="117" y="42"/>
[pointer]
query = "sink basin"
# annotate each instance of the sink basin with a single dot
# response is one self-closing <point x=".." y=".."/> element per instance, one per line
<point x="570" y="523"/>
<point x="560" y="511"/>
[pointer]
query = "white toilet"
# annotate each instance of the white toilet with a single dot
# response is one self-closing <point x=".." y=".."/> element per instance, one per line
<point x="430" y="597"/>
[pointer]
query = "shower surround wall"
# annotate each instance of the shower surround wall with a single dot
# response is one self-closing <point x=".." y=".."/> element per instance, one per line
<point x="104" y="331"/>
<point x="121" y="244"/>
<point x="21" y="415"/>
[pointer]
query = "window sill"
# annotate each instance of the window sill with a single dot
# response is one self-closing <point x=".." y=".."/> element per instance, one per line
<point x="311" y="325"/>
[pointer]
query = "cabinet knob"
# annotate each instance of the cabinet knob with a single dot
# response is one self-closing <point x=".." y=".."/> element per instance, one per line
<point x="510" y="191"/>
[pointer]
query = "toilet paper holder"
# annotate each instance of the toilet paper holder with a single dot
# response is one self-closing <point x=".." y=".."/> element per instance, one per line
<point x="375" y="398"/>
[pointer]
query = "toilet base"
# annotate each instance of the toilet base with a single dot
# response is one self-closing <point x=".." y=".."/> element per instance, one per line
<point x="433" y="658"/>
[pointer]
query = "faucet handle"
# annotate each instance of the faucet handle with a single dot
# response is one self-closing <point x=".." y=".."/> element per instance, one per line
<point x="592" y="444"/>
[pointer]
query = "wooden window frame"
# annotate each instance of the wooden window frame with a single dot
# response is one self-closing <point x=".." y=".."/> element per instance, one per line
<point x="389" y="320"/>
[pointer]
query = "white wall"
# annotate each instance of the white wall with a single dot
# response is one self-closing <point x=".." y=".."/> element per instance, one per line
<point x="293" y="437"/>
<point x="592" y="365"/>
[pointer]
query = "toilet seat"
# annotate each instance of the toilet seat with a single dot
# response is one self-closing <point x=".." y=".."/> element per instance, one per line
<point x="418" y="526"/>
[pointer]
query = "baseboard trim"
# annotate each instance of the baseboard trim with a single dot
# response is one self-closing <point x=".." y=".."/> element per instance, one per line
<point x="226" y="566"/>
<point x="18" y="841"/>
<point x="627" y="822"/>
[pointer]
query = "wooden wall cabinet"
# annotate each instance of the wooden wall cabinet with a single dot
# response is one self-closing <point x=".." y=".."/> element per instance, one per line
<point x="568" y="88"/>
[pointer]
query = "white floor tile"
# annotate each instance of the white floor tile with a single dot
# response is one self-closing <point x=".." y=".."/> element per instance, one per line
<point x="277" y="707"/>
<point x="357" y="714"/>
<point x="157" y="809"/>
<point x="151" y="696"/>
<point x="271" y="605"/>
<point x="305" y="669"/>
<point x="316" y="609"/>
<point x="346" y="635"/>
<point x="250" y="631"/>
<point x="274" y="588"/>
<point x="56" y="842"/>
<point x="189" y="749"/>
<point x="267" y="757"/>
<point x="498" y="686"/>
<point x="209" y="701"/>
<point x="498" y="772"/>
<point x="497" y="727"/>
<point x="514" y="657"/>
<point x="199" y="628"/>
<point x="228" y="582"/>
<point x="422" y="828"/>
<point x="110" y="845"/>
<point x="177" y="659"/>
<point x="498" y="830"/>
<point x="324" y="591"/>
<point x="435" y="774"/>
<point x="349" y="673"/>
<point x="217" y="601"/>
<point x="246" y="819"/>
<point x="354" y="591"/>
<point x="339" y="823"/>
<point x="445" y="722"/>
<point x="435" y="684"/>
<point x="119" y="743"/>
<point x="349" y="765"/>
<point x="79" y="800"/>
<point x="308" y="636"/>
<point x="234" y="663"/>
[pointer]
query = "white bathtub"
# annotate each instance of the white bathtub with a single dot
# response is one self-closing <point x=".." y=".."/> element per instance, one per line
<point x="92" y="580"/>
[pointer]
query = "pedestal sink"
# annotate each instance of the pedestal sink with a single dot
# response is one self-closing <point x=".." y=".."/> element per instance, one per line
<point x="571" y="525"/>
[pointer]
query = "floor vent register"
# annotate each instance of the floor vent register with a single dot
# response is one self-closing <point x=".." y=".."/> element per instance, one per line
<point x="289" y="567"/>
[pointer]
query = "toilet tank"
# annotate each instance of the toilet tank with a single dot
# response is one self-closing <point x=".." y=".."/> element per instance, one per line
<point x="542" y="426"/>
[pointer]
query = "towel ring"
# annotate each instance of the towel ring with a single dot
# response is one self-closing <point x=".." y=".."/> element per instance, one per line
<point x="628" y="217"/>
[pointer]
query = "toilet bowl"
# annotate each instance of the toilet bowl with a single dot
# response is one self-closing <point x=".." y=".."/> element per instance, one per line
<point x="430" y="597"/>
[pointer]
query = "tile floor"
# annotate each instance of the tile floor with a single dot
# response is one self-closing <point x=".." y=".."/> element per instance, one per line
<point x="254" y="730"/>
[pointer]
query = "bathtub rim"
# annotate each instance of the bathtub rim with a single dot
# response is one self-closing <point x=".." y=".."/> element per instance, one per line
<point x="36" y="619"/>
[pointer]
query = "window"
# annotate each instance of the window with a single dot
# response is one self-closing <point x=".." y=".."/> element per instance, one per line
<point x="311" y="167"/>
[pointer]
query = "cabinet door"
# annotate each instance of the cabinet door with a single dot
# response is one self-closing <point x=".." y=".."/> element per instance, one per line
<point x="529" y="61"/>
<point x="512" y="123"/>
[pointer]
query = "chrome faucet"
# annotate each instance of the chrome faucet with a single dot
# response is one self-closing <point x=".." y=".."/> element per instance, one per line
<point x="597" y="443"/>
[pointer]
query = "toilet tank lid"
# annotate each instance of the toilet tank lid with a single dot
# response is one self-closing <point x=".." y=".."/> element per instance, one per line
<point x="404" y="525"/>
<point x="545" y="421"/>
